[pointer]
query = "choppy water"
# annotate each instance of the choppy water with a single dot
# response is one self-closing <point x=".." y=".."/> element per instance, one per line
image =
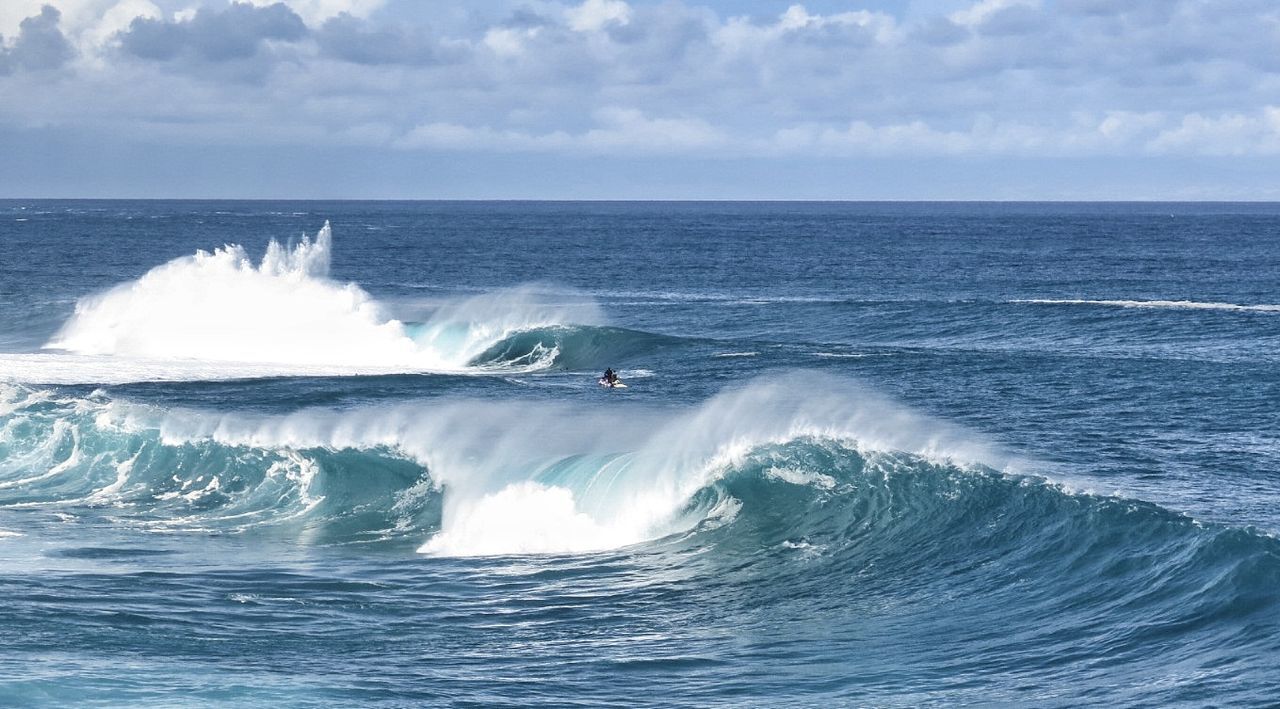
<point x="869" y="454"/>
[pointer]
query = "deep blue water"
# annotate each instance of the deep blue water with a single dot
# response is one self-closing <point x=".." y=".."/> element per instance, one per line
<point x="869" y="454"/>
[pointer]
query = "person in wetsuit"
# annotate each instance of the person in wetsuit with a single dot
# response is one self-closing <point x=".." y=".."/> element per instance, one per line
<point x="610" y="376"/>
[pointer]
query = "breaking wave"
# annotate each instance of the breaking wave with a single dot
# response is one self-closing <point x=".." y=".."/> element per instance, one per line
<point x="794" y="464"/>
<point x="472" y="477"/>
<point x="217" y="315"/>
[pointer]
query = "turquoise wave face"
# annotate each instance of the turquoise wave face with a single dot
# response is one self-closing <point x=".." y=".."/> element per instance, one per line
<point x="78" y="456"/>
<point x="571" y="348"/>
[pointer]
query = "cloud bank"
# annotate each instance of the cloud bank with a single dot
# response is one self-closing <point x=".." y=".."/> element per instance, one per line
<point x="984" y="79"/>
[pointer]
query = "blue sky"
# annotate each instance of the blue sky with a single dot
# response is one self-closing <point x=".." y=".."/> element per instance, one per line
<point x="869" y="99"/>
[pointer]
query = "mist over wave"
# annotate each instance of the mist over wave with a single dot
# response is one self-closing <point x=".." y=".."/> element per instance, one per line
<point x="218" y="315"/>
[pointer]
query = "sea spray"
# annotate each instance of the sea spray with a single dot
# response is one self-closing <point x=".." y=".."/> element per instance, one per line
<point x="220" y="307"/>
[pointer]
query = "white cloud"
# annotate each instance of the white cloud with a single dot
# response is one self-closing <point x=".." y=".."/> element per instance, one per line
<point x="594" y="15"/>
<point x="451" y="136"/>
<point x="1081" y="134"/>
<point x="313" y="12"/>
<point x="628" y="129"/>
<point x="76" y="14"/>
<point x="744" y="34"/>
<point x="797" y="17"/>
<point x="116" y="19"/>
<point x="618" y="131"/>
<point x="1227" y="134"/>
<point x="862" y="138"/>
<point x="86" y="23"/>
<point x="628" y="78"/>
<point x="984" y="10"/>
<point x="89" y="22"/>
<point x="509" y="41"/>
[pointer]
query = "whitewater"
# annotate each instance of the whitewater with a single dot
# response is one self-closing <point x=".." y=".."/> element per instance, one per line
<point x="869" y="454"/>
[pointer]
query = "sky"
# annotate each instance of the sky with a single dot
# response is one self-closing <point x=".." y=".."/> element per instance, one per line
<point x="631" y="99"/>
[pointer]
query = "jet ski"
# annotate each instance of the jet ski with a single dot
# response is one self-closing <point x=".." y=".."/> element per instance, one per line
<point x="615" y="384"/>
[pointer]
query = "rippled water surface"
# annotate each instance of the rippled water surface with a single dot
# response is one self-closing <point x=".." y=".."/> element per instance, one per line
<point x="867" y="454"/>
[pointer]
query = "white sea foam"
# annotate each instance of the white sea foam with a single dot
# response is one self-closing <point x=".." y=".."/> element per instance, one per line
<point x="801" y="477"/>
<point x="218" y="316"/>
<point x="524" y="518"/>
<point x="1169" y="304"/>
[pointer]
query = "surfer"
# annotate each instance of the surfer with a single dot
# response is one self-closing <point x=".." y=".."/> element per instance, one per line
<point x="611" y="380"/>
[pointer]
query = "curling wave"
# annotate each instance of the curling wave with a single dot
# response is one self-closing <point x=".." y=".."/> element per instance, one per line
<point x="775" y="468"/>
<point x="805" y="459"/>
<point x="509" y="477"/>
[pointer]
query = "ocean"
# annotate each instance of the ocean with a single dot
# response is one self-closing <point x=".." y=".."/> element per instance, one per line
<point x="311" y="454"/>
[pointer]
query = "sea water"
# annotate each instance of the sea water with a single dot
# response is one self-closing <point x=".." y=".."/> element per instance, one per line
<point x="354" y="453"/>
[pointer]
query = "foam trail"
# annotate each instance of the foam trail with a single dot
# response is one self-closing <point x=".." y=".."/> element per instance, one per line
<point x="219" y="316"/>
<point x="1157" y="304"/>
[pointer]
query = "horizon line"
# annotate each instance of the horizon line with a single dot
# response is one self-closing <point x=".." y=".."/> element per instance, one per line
<point x="565" y="200"/>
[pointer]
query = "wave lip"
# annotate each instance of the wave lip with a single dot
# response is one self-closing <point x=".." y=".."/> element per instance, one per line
<point x="1155" y="304"/>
